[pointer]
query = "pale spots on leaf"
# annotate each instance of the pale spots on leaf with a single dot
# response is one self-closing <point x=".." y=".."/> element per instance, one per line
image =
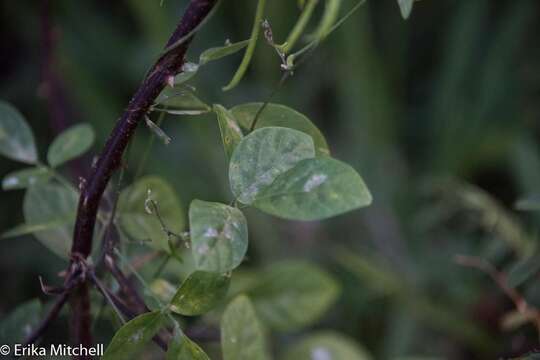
<point x="136" y="337"/>
<point x="210" y="233"/>
<point x="320" y="353"/>
<point x="314" y="181"/>
<point x="203" y="249"/>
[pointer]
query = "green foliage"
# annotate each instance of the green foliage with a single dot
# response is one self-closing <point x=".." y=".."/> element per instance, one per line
<point x="140" y="222"/>
<point x="280" y="116"/>
<point x="242" y="335"/>
<point x="326" y="345"/>
<point x="182" y="348"/>
<point x="262" y="156"/>
<point x="180" y="102"/>
<point x="219" y="52"/>
<point x="405" y="6"/>
<point x="219" y="236"/>
<point x="25" y="178"/>
<point x="70" y="144"/>
<point x="231" y="134"/>
<point x="314" y="189"/>
<point x="293" y="294"/>
<point x="132" y="337"/>
<point x="16" y="138"/>
<point x="200" y="292"/>
<point x="16" y="326"/>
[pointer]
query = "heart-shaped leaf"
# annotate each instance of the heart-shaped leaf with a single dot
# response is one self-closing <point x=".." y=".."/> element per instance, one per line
<point x="219" y="236"/>
<point x="314" y="189"/>
<point x="16" y="138"/>
<point x="200" y="293"/>
<point x="70" y="144"/>
<point x="262" y="156"/>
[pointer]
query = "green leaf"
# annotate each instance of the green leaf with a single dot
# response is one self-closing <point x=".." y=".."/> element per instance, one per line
<point x="163" y="289"/>
<point x="279" y="115"/>
<point x="138" y="223"/>
<point x="405" y="6"/>
<point x="200" y="293"/>
<point x="25" y="229"/>
<point x="242" y="336"/>
<point x="219" y="236"/>
<point x="182" y="348"/>
<point x="262" y="156"/>
<point x="70" y="144"/>
<point x="293" y="294"/>
<point x="16" y="138"/>
<point x="326" y="345"/>
<point x="48" y="204"/>
<point x="231" y="134"/>
<point x="131" y="338"/>
<point x="314" y="189"/>
<point x="25" y="178"/>
<point x="189" y="70"/>
<point x="16" y="326"/>
<point x="522" y="270"/>
<point x="219" y="52"/>
<point x="530" y="203"/>
<point x="180" y="102"/>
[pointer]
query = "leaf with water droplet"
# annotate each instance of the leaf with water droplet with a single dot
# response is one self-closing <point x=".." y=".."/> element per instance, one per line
<point x="219" y="52"/>
<point x="231" y="134"/>
<point x="182" y="348"/>
<point x="262" y="156"/>
<point x="242" y="335"/>
<point x="49" y="210"/>
<point x="219" y="236"/>
<point x="70" y="144"/>
<point x="405" y="6"/>
<point x="200" y="293"/>
<point x="314" y="189"/>
<point x="288" y="286"/>
<point x="281" y="116"/>
<point x="16" y="138"/>
<point x="131" y="338"/>
<point x="140" y="225"/>
<point x="16" y="326"/>
<point x="326" y="345"/>
<point x="22" y="179"/>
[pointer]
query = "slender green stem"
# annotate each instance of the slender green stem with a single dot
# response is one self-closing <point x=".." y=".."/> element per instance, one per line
<point x="250" y="48"/>
<point x="299" y="27"/>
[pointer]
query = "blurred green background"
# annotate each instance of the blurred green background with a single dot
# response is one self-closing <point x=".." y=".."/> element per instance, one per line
<point x="438" y="113"/>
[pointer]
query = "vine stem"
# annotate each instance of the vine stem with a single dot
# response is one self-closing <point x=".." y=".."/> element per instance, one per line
<point x="168" y="65"/>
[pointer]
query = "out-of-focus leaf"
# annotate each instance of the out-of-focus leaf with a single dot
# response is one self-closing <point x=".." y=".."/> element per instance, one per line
<point x="138" y="223"/>
<point x="182" y="348"/>
<point x="242" y="336"/>
<point x="163" y="289"/>
<point x="331" y="13"/>
<point x="515" y="319"/>
<point x="282" y="116"/>
<point x="405" y="6"/>
<point x="130" y="339"/>
<point x="314" y="189"/>
<point x="200" y="293"/>
<point x="70" y="144"/>
<point x="293" y="294"/>
<point x="219" y="52"/>
<point x="16" y="138"/>
<point x="219" y="236"/>
<point x="21" y="179"/>
<point x="231" y="134"/>
<point x="522" y="271"/>
<point x="530" y="203"/>
<point x="180" y="102"/>
<point x="326" y="345"/>
<point x="16" y="326"/>
<point x="48" y="204"/>
<point x="25" y="229"/>
<point x="262" y="156"/>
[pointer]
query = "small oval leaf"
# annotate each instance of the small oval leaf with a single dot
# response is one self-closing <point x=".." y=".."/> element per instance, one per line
<point x="279" y="115"/>
<point x="231" y="134"/>
<point x="314" y="189"/>
<point x="25" y="178"/>
<point x="262" y="156"/>
<point x="219" y="236"/>
<point x="200" y="293"/>
<point x="70" y="144"/>
<point x="242" y="335"/>
<point x="219" y="52"/>
<point x="326" y="345"/>
<point x="133" y="336"/>
<point x="141" y="225"/>
<point x="16" y="138"/>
